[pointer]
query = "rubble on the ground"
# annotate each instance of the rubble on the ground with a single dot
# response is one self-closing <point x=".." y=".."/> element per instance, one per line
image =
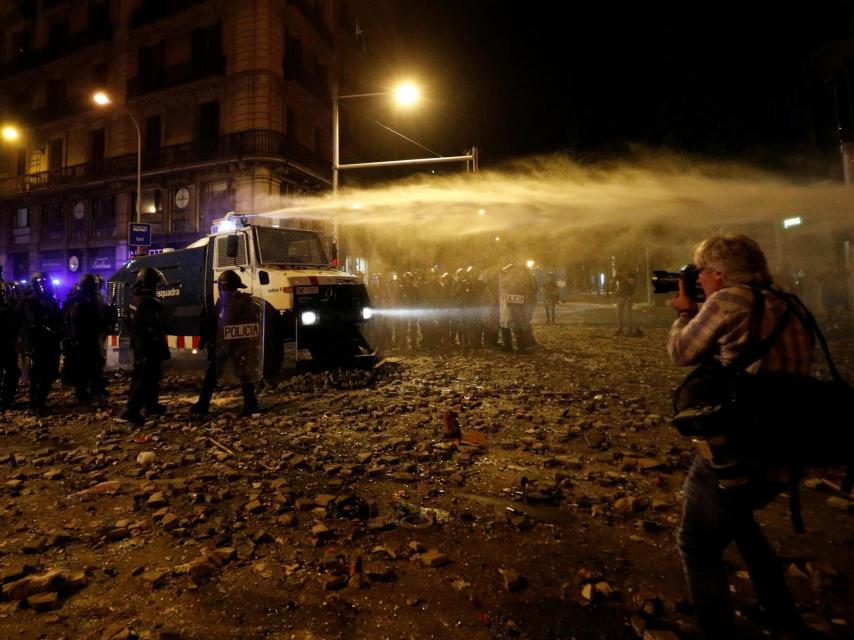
<point x="485" y="495"/>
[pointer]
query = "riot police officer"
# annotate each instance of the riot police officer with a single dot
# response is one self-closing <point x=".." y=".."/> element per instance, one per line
<point x="84" y="324"/>
<point x="232" y="308"/>
<point x="41" y="327"/>
<point x="8" y="352"/>
<point x="148" y="341"/>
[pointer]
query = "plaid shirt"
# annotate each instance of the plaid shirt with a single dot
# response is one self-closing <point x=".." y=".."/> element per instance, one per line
<point x="721" y="330"/>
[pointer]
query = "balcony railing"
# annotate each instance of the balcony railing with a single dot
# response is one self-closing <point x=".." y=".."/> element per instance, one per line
<point x="102" y="32"/>
<point x="235" y="146"/>
<point x="158" y="9"/>
<point x="175" y="75"/>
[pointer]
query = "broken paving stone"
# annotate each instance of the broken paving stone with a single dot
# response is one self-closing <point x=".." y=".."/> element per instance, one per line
<point x="604" y="589"/>
<point x="146" y="459"/>
<point x="459" y="584"/>
<point x="513" y="580"/>
<point x="298" y="462"/>
<point x="53" y="474"/>
<point x="435" y="558"/>
<point x="43" y="601"/>
<point x="322" y="532"/>
<point x="650" y="464"/>
<point x="156" y="500"/>
<point x="335" y="583"/>
<point x="14" y="572"/>
<point x="287" y="520"/>
<point x="154" y="578"/>
<point x="52" y="580"/>
<point x="379" y="572"/>
<point x="254" y="506"/>
<point x="840" y="504"/>
<point x="324" y="500"/>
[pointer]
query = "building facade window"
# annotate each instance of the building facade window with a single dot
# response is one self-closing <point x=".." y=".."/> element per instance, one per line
<point x="22" y="218"/>
<point x="97" y="145"/>
<point x="153" y="134"/>
<point x="55" y="154"/>
<point x="20" y="161"/>
<point x="208" y="128"/>
<point x="53" y="222"/>
<point x="103" y="212"/>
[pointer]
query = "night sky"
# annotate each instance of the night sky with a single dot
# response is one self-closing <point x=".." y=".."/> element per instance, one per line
<point x="719" y="79"/>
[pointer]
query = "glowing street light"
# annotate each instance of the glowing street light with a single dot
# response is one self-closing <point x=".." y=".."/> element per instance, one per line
<point x="530" y="264"/>
<point x="407" y="94"/>
<point x="102" y="99"/>
<point x="10" y="133"/>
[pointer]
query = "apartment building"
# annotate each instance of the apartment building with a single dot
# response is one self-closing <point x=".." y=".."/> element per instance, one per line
<point x="231" y="99"/>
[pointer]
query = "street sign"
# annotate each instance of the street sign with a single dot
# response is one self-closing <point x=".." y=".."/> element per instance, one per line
<point x="139" y="234"/>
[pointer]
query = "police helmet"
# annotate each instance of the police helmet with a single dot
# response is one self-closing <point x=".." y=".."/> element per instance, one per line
<point x="89" y="284"/>
<point x="230" y="281"/>
<point x="149" y="278"/>
<point x="41" y="283"/>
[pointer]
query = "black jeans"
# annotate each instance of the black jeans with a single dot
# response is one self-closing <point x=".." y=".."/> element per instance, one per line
<point x="712" y="518"/>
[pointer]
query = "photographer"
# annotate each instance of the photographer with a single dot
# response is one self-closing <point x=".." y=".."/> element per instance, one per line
<point x="739" y="312"/>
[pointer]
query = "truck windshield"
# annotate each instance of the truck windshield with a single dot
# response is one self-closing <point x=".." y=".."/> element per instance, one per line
<point x="289" y="246"/>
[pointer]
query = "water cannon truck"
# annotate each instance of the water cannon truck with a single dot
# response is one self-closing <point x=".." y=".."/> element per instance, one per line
<point x="307" y="303"/>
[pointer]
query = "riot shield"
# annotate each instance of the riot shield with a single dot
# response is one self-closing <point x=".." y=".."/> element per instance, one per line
<point x="241" y="329"/>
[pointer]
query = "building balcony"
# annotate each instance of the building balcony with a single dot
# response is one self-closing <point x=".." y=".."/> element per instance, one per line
<point x="246" y="145"/>
<point x="175" y="75"/>
<point x="96" y="33"/>
<point x="311" y="14"/>
<point x="153" y="10"/>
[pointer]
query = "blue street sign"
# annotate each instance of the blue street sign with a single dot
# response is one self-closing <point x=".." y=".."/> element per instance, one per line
<point x="139" y="234"/>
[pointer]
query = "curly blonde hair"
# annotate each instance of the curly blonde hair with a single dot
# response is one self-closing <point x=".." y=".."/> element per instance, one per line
<point x="738" y="257"/>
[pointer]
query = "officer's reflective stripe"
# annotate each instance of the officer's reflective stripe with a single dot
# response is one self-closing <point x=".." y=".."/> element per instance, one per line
<point x="241" y="331"/>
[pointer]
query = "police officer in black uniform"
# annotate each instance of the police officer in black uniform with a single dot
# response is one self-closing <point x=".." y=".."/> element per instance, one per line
<point x="9" y="326"/>
<point x="148" y="341"/>
<point x="84" y="324"/>
<point x="232" y="307"/>
<point x="41" y="329"/>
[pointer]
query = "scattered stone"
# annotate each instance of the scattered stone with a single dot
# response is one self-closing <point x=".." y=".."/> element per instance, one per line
<point x="43" y="601"/>
<point x="146" y="459"/>
<point x="513" y="580"/>
<point x="435" y="558"/>
<point x="154" y="578"/>
<point x="841" y="504"/>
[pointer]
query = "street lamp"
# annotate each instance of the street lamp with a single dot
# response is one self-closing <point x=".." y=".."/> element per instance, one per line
<point x="405" y="94"/>
<point x="10" y="133"/>
<point x="103" y="100"/>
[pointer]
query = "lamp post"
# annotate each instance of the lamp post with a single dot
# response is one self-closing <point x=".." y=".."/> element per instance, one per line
<point x="102" y="100"/>
<point x="405" y="94"/>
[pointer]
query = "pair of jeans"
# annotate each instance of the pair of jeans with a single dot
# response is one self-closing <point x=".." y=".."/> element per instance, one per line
<point x="712" y="518"/>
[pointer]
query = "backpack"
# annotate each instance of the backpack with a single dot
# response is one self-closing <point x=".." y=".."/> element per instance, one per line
<point x="769" y="419"/>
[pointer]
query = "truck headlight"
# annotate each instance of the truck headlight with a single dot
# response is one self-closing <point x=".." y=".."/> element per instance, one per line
<point x="367" y="313"/>
<point x="308" y="317"/>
